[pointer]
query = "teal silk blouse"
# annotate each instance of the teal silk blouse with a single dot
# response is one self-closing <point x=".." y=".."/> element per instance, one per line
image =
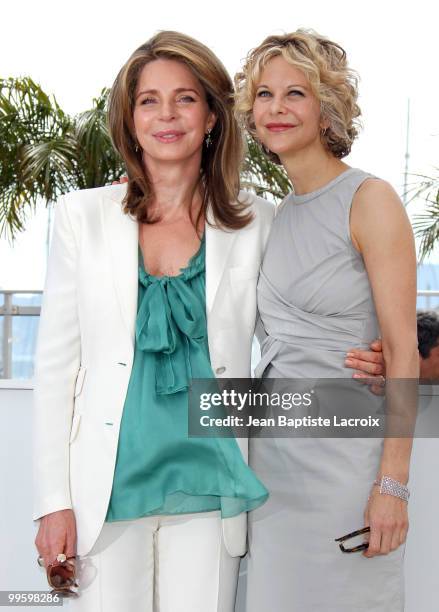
<point x="159" y="469"/>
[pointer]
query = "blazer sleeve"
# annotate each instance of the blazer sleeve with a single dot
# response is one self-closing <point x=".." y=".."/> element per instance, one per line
<point x="57" y="363"/>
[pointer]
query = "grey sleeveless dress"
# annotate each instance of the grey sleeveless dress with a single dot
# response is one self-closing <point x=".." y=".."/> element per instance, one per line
<point x="315" y="303"/>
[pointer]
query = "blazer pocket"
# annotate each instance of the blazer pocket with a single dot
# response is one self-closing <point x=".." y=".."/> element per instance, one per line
<point x="240" y="274"/>
<point x="75" y="426"/>
<point x="79" y="381"/>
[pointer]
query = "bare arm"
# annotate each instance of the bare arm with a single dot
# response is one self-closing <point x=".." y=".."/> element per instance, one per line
<point x="381" y="231"/>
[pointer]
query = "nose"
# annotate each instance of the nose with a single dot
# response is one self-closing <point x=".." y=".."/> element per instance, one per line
<point x="277" y="105"/>
<point x="167" y="110"/>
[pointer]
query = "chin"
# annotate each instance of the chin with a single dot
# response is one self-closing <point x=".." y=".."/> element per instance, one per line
<point x="281" y="150"/>
<point x="175" y="154"/>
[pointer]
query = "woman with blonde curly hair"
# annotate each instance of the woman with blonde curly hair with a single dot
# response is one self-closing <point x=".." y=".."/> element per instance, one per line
<point x="150" y="284"/>
<point x="338" y="270"/>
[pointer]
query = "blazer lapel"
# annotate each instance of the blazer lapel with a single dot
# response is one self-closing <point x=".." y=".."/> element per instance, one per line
<point x="218" y="245"/>
<point x="121" y="234"/>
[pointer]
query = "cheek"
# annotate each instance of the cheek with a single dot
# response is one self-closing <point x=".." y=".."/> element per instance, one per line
<point x="257" y="113"/>
<point x="195" y="123"/>
<point x="136" y="121"/>
<point x="311" y="115"/>
<point x="140" y="119"/>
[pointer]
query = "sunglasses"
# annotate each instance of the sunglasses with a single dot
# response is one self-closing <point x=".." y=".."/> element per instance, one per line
<point x="363" y="546"/>
<point x="62" y="577"/>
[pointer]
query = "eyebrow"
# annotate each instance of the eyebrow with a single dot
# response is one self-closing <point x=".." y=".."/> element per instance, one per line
<point x="178" y="90"/>
<point x="287" y="87"/>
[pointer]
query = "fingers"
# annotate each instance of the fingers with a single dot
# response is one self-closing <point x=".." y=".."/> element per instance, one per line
<point x="386" y="541"/>
<point x="374" y="543"/>
<point x="396" y="539"/>
<point x="56" y="534"/>
<point x="403" y="533"/>
<point x="360" y="361"/>
<point x="368" y="356"/>
<point x="378" y="389"/>
<point x="123" y="179"/>
<point x="50" y="549"/>
<point x="70" y="549"/>
<point x="386" y="538"/>
<point x="377" y="345"/>
<point x="391" y="538"/>
<point x="377" y="384"/>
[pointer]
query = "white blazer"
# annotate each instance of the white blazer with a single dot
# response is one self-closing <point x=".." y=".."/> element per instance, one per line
<point x="85" y="347"/>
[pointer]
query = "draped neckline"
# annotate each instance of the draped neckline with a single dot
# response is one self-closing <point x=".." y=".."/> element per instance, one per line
<point x="192" y="268"/>
<point x="171" y="321"/>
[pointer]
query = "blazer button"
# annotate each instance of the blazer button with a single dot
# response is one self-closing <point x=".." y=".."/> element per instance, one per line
<point x="220" y="370"/>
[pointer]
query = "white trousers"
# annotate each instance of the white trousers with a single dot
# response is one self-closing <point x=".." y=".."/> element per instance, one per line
<point x="158" y="564"/>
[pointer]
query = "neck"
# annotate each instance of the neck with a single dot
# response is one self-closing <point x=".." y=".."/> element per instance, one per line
<point x="176" y="184"/>
<point x="312" y="168"/>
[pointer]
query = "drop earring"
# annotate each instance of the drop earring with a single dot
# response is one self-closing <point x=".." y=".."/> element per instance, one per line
<point x="208" y="139"/>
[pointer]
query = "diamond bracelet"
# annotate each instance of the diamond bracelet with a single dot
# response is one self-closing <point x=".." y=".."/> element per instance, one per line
<point x="390" y="486"/>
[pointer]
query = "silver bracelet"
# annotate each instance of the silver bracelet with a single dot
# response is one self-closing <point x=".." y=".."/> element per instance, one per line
<point x="389" y="486"/>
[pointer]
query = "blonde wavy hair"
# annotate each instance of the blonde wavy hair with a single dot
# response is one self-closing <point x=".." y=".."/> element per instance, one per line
<point x="221" y="161"/>
<point x="332" y="82"/>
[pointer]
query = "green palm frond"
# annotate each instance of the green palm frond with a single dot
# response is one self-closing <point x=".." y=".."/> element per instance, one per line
<point x="426" y="224"/>
<point x="12" y="206"/>
<point x="32" y="156"/>
<point x="49" y="166"/>
<point x="98" y="161"/>
<point x="27" y="114"/>
<point x="262" y="176"/>
<point x="44" y="152"/>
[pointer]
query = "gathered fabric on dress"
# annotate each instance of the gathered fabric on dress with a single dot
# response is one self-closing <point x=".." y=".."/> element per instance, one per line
<point x="159" y="469"/>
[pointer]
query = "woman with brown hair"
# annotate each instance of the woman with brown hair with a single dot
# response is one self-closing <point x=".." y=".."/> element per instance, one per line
<point x="150" y="284"/>
<point x="147" y="288"/>
<point x="339" y="269"/>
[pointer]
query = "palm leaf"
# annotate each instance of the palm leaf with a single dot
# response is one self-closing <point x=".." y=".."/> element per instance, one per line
<point x="426" y="224"/>
<point x="262" y="176"/>
<point x="98" y="161"/>
<point x="44" y="152"/>
<point x="31" y="157"/>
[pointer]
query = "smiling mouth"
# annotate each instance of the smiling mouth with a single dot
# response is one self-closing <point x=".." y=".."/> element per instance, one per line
<point x="279" y="127"/>
<point x="168" y="136"/>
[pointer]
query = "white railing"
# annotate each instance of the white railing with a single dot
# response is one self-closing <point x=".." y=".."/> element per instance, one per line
<point x="9" y="308"/>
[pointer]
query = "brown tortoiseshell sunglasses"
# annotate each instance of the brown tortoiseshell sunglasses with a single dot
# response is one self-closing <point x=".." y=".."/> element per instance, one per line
<point x="363" y="546"/>
<point x="62" y="577"/>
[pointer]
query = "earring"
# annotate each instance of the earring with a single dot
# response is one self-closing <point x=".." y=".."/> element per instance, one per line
<point x="136" y="148"/>
<point x="323" y="131"/>
<point x="208" y="139"/>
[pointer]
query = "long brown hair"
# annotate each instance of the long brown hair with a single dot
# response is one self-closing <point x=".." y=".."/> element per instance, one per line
<point x="221" y="161"/>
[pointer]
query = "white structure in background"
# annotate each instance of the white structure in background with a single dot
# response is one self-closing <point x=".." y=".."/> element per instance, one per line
<point x="18" y="567"/>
